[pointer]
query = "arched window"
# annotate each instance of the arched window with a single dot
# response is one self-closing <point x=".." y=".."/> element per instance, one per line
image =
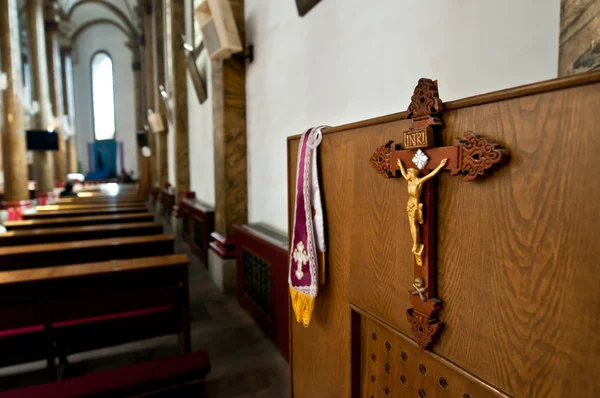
<point x="103" y="97"/>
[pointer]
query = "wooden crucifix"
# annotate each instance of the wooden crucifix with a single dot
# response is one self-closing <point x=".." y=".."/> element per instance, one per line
<point x="418" y="160"/>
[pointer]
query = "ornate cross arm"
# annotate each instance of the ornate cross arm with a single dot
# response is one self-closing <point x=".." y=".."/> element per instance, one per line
<point x="417" y="160"/>
<point x="471" y="156"/>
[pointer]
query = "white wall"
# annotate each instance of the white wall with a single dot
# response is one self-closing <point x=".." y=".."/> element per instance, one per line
<point x="202" y="166"/>
<point x="349" y="60"/>
<point x="111" y="40"/>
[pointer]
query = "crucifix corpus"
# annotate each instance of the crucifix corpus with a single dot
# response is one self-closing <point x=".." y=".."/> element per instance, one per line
<point x="418" y="160"/>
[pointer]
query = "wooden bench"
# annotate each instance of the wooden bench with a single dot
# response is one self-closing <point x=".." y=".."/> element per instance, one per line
<point x="62" y="234"/>
<point x="88" y="212"/>
<point x="77" y="221"/>
<point x="87" y="206"/>
<point x="116" y="199"/>
<point x="57" y="311"/>
<point x="98" y="194"/>
<point x="63" y="253"/>
<point x="175" y="376"/>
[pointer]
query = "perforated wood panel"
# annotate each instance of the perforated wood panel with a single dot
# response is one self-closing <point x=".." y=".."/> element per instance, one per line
<point x="391" y="365"/>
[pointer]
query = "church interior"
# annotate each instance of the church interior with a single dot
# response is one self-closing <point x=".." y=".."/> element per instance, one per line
<point x="299" y="198"/>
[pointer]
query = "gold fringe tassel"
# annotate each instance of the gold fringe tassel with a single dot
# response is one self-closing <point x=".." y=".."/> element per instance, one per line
<point x="303" y="305"/>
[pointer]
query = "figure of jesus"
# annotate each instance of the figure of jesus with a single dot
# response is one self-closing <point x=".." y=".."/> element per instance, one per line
<point x="414" y="207"/>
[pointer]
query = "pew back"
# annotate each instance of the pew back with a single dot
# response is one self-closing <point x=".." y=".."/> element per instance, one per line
<point x="62" y="234"/>
<point x="69" y="298"/>
<point x="74" y="252"/>
<point x="78" y="221"/>
<point x="86" y="212"/>
<point x="517" y="257"/>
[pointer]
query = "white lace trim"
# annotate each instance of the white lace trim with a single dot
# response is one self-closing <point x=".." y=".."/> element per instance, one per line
<point x="311" y="191"/>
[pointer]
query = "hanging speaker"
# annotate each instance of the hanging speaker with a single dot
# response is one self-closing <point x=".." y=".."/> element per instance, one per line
<point x="156" y="122"/>
<point x="219" y="30"/>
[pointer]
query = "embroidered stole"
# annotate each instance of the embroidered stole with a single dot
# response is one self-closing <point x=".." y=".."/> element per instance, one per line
<point x="308" y="236"/>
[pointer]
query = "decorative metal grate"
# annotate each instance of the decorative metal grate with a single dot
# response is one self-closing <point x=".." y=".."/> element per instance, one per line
<point x="185" y="218"/>
<point x="198" y="232"/>
<point x="257" y="281"/>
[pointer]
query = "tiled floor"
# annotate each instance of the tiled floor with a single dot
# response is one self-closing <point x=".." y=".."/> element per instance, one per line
<point x="244" y="363"/>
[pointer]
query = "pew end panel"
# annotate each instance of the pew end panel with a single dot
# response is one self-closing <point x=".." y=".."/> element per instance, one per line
<point x="516" y="260"/>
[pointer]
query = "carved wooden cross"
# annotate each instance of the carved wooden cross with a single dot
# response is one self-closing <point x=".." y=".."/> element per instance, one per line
<point x="470" y="156"/>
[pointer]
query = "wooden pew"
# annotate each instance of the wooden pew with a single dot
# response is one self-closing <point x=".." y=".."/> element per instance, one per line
<point x="87" y="306"/>
<point x="175" y="376"/>
<point x="62" y="234"/>
<point x="88" y="212"/>
<point x="78" y="221"/>
<point x="116" y="200"/>
<point x="87" y="206"/>
<point x="64" y="253"/>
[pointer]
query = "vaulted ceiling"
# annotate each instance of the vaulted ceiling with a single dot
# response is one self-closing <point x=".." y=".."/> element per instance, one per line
<point x="80" y="15"/>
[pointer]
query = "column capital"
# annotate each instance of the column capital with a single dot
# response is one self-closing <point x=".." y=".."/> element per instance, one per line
<point x="52" y="14"/>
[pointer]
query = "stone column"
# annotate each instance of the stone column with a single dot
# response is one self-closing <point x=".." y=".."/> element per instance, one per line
<point x="150" y="87"/>
<point x="136" y="66"/>
<point x="159" y="106"/>
<point x="54" y="61"/>
<point x="579" y="41"/>
<point x="43" y="160"/>
<point x="69" y="101"/>
<point x="231" y="192"/>
<point x="13" y="135"/>
<point x="177" y="87"/>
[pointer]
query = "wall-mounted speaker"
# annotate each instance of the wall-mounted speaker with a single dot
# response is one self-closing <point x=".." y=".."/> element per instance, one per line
<point x="219" y="30"/>
<point x="155" y="121"/>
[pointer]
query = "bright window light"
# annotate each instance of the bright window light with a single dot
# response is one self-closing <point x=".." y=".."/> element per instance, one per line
<point x="103" y="97"/>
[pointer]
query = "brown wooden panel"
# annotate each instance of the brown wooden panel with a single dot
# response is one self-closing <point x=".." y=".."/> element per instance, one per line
<point x="62" y="234"/>
<point x="90" y="269"/>
<point x="78" y="221"/>
<point x="73" y="292"/>
<point x="198" y="222"/>
<point x="75" y="252"/>
<point x="86" y="212"/>
<point x="391" y="365"/>
<point x="516" y="252"/>
<point x="87" y="206"/>
<point x="109" y="200"/>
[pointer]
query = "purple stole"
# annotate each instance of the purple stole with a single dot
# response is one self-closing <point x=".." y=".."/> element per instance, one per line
<point x="308" y="238"/>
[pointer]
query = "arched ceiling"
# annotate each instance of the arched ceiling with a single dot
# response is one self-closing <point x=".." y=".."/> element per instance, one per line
<point x="80" y="12"/>
<point x="80" y="15"/>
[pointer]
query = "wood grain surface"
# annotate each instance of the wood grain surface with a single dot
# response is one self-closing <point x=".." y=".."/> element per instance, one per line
<point x="87" y="206"/>
<point x="116" y="200"/>
<point x="62" y="234"/>
<point x="90" y="269"/>
<point x="516" y="252"/>
<point x="85" y="212"/>
<point x="78" y="221"/>
<point x="75" y="252"/>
